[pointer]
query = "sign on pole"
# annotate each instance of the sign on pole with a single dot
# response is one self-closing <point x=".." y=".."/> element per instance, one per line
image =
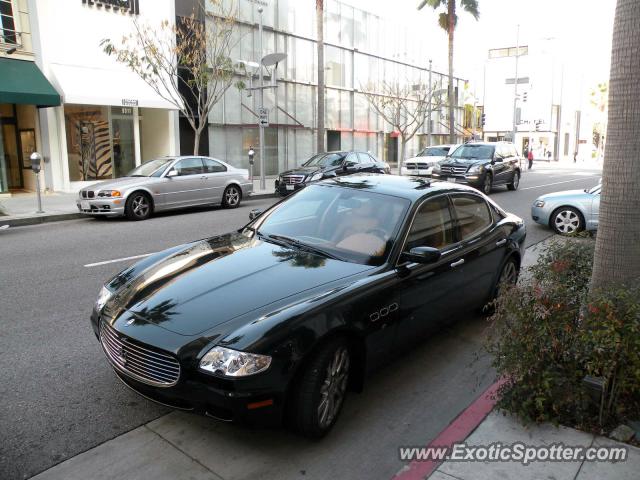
<point x="263" y="115"/>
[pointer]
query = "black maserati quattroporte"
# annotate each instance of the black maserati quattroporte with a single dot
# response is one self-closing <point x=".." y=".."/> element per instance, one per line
<point x="278" y="320"/>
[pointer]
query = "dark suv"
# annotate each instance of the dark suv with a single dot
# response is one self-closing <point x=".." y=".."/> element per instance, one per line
<point x="330" y="164"/>
<point x="482" y="165"/>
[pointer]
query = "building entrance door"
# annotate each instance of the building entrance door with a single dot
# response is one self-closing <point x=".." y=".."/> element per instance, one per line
<point x="123" y="140"/>
<point x="11" y="168"/>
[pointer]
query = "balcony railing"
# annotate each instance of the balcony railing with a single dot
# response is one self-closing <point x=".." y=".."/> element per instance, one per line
<point x="10" y="39"/>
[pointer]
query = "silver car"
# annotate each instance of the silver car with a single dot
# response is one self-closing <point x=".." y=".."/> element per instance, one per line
<point x="423" y="163"/>
<point x="568" y="212"/>
<point x="167" y="183"/>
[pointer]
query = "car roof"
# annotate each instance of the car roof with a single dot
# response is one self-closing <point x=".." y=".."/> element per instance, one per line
<point x="411" y="188"/>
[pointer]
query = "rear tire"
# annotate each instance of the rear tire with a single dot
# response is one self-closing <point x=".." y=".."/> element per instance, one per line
<point x="231" y="197"/>
<point x="515" y="181"/>
<point x="138" y="206"/>
<point x="319" y="395"/>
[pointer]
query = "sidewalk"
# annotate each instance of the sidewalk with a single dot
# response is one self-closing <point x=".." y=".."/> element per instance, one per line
<point x="20" y="208"/>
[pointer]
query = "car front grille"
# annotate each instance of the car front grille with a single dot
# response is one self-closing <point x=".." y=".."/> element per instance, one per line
<point x="416" y="165"/>
<point x="453" y="170"/>
<point x="141" y="362"/>
<point x="292" y="179"/>
<point x="87" y="194"/>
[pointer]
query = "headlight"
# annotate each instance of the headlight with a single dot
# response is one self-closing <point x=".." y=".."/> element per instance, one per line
<point x="315" y="176"/>
<point x="539" y="203"/>
<point x="109" y="193"/>
<point x="103" y="297"/>
<point x="476" y="169"/>
<point x="232" y="363"/>
<point x="436" y="168"/>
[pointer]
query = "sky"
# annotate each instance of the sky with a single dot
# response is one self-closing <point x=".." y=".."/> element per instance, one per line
<point x="580" y="30"/>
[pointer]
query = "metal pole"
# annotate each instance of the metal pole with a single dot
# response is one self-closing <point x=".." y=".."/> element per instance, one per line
<point x="515" y="89"/>
<point x="38" y="194"/>
<point x="429" y="108"/>
<point x="263" y="185"/>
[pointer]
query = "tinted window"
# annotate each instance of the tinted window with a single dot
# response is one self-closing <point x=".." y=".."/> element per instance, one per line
<point x="212" y="166"/>
<point x="474" y="151"/>
<point x="472" y="215"/>
<point x="364" y="158"/>
<point x="325" y="160"/>
<point x="432" y="225"/>
<point x="188" y="166"/>
<point x="352" y="158"/>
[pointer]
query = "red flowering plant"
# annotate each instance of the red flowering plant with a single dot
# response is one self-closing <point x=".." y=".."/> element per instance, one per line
<point x="547" y="334"/>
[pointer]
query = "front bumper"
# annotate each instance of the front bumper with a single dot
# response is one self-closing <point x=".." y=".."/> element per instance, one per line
<point x="416" y="171"/>
<point x="473" y="179"/>
<point x="253" y="400"/>
<point x="287" y="189"/>
<point x="540" y="215"/>
<point x="103" y="206"/>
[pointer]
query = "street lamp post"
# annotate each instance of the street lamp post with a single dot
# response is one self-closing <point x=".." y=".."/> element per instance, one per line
<point x="515" y="89"/>
<point x="263" y="185"/>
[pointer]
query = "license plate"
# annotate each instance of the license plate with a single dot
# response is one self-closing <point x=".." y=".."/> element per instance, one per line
<point x="289" y="187"/>
<point x="451" y="179"/>
<point x="85" y="206"/>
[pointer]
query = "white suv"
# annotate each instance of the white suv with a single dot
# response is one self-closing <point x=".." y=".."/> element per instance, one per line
<point x="423" y="163"/>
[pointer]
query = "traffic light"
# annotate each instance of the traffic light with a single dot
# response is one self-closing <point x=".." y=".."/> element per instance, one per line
<point x="524" y="97"/>
<point x="538" y="126"/>
<point x="484" y="118"/>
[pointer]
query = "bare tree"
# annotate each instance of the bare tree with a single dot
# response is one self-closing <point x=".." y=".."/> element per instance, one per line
<point x="617" y="254"/>
<point x="186" y="63"/>
<point x="404" y="106"/>
<point x="320" y="27"/>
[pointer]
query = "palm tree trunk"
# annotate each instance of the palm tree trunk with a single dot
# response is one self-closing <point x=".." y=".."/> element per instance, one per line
<point x="617" y="254"/>
<point x="320" y="121"/>
<point x="451" y="4"/>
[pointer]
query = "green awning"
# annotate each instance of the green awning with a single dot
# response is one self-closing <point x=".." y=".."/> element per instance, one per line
<point x="23" y="83"/>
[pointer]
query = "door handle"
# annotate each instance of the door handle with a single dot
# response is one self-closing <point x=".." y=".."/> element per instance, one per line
<point x="502" y="242"/>
<point x="458" y="263"/>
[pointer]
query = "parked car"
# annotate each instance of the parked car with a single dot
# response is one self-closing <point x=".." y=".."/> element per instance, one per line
<point x="568" y="212"/>
<point x="167" y="183"/>
<point x="482" y="165"/>
<point x="324" y="165"/>
<point x="275" y="321"/>
<point x="423" y="163"/>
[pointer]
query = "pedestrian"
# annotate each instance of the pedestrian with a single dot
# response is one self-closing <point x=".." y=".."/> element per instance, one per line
<point x="549" y="154"/>
<point x="575" y="156"/>
<point x="530" y="158"/>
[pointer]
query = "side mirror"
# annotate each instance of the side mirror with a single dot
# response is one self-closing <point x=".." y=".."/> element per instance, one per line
<point x="172" y="173"/>
<point x="255" y="213"/>
<point x="422" y="255"/>
<point x="330" y="174"/>
<point x="349" y="167"/>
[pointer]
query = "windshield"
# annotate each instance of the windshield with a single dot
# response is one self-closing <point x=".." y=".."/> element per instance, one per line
<point x="434" y="152"/>
<point x="483" y="152"/>
<point x="345" y="223"/>
<point x="152" y="168"/>
<point x="325" y="160"/>
<point x="595" y="189"/>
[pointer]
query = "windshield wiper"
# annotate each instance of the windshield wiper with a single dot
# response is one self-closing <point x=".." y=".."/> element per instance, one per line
<point x="301" y="245"/>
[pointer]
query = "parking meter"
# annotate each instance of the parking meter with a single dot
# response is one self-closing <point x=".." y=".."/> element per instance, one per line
<point x="252" y="154"/>
<point x="36" y="161"/>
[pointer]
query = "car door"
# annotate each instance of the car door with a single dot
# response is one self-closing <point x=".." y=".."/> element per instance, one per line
<point x="500" y="165"/>
<point x="365" y="162"/>
<point x="187" y="187"/>
<point x="483" y="247"/>
<point x="429" y="294"/>
<point x="216" y="176"/>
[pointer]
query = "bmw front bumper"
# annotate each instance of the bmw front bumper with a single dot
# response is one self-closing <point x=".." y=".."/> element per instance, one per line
<point x="103" y="206"/>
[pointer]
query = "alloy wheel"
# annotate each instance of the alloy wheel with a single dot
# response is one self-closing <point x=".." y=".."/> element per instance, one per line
<point x="333" y="387"/>
<point x="232" y="196"/>
<point x="509" y="274"/>
<point x="140" y="206"/>
<point x="567" y="221"/>
<point x="516" y="180"/>
<point x="486" y="188"/>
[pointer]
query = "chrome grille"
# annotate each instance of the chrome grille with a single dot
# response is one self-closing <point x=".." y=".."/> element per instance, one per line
<point x="453" y="170"/>
<point x="143" y="363"/>
<point x="87" y="193"/>
<point x="416" y="166"/>
<point x="292" y="179"/>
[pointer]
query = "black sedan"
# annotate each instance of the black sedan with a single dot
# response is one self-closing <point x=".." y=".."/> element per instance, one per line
<point x="326" y="165"/>
<point x="276" y="321"/>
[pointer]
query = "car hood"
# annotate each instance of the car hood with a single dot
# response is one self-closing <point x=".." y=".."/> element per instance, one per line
<point x="121" y="183"/>
<point x="567" y="194"/>
<point x="308" y="170"/>
<point x="215" y="280"/>
<point x="466" y="162"/>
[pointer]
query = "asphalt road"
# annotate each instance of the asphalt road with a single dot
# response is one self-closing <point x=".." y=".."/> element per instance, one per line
<point x="60" y="398"/>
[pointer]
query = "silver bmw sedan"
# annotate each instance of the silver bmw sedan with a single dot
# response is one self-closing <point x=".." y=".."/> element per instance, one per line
<point x="167" y="183"/>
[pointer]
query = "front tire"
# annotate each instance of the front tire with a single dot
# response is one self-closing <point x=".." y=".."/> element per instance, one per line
<point x="231" y="197"/>
<point x="515" y="181"/>
<point x="487" y="184"/>
<point x="566" y="221"/>
<point x="320" y="393"/>
<point x="138" y="206"/>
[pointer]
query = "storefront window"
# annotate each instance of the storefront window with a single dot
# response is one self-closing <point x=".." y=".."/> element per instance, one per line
<point x="124" y="156"/>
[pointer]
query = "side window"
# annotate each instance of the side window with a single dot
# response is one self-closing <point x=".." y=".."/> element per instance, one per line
<point x="189" y="166"/>
<point x="352" y="159"/>
<point x="212" y="166"/>
<point x="432" y="225"/>
<point x="472" y="215"/>
<point x="499" y="152"/>
<point x="364" y="158"/>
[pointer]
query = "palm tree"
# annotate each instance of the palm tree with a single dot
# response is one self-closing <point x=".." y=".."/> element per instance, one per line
<point x="320" y="27"/>
<point x="447" y="20"/>
<point x="617" y="254"/>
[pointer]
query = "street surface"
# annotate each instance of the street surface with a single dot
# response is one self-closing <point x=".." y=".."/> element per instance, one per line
<point x="61" y="398"/>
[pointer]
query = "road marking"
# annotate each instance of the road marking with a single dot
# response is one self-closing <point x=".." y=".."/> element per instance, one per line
<point x="555" y="183"/>
<point x="97" y="264"/>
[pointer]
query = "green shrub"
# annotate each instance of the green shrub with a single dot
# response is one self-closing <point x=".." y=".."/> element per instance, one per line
<point x="548" y="334"/>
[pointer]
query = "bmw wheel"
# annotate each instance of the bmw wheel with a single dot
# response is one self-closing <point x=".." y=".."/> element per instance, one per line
<point x="566" y="221"/>
<point x="320" y="394"/>
<point x="138" y="206"/>
<point x="231" y="197"/>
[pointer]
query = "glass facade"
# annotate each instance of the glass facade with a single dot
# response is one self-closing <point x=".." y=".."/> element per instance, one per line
<point x="361" y="50"/>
